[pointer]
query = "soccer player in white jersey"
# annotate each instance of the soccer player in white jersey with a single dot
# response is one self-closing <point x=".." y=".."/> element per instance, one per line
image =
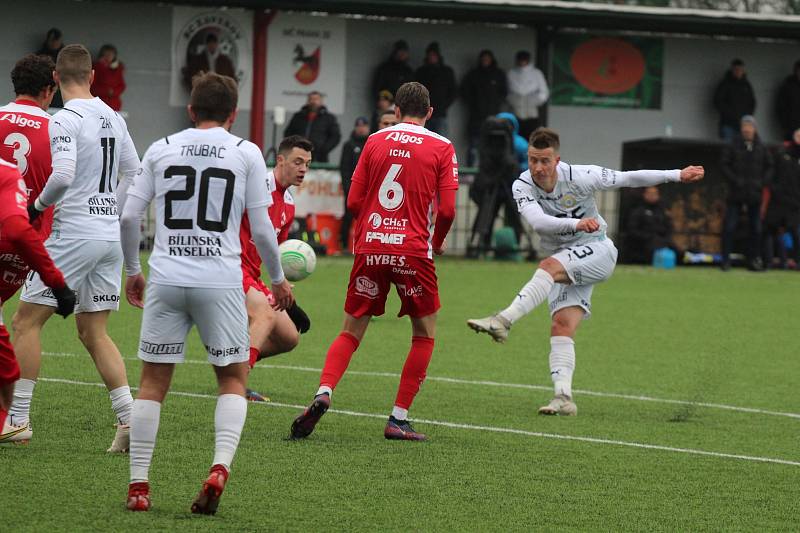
<point x="90" y="146"/>
<point x="557" y="200"/>
<point x="202" y="180"/>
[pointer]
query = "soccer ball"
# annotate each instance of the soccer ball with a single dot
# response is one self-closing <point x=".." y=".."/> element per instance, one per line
<point x="297" y="259"/>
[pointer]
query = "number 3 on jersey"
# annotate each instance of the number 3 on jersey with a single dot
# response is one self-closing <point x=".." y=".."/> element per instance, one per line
<point x="390" y="194"/>
<point x="22" y="147"/>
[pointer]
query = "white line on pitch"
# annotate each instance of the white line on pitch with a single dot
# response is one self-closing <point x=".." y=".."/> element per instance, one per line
<point x="492" y="429"/>
<point x="442" y="379"/>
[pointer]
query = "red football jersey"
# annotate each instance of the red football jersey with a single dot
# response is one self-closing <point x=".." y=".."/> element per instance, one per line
<point x="13" y="197"/>
<point x="24" y="140"/>
<point x="281" y="213"/>
<point x="402" y="168"/>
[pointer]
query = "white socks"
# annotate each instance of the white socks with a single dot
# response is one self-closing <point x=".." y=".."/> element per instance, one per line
<point x="324" y="389"/>
<point x="532" y="294"/>
<point x="20" y="411"/>
<point x="144" y="427"/>
<point x="228" y="423"/>
<point x="399" y="413"/>
<point x="122" y="403"/>
<point x="562" y="364"/>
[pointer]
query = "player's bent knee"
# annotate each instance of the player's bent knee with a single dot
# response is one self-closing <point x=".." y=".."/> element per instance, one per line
<point x="562" y="327"/>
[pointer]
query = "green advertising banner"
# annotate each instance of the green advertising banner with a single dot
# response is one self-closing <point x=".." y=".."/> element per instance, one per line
<point x="603" y="71"/>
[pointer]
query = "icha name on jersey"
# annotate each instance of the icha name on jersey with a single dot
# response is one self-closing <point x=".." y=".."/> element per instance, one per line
<point x="194" y="246"/>
<point x="203" y="150"/>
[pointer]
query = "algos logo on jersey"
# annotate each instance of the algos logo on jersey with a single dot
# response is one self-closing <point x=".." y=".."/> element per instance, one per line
<point x="19" y="120"/>
<point x="404" y="138"/>
<point x="366" y="287"/>
<point x="375" y="220"/>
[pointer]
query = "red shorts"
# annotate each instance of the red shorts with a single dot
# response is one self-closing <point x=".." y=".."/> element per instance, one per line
<point x="9" y="369"/>
<point x="256" y="283"/>
<point x="414" y="279"/>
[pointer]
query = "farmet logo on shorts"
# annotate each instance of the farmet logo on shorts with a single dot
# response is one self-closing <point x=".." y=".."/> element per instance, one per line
<point x="385" y="238"/>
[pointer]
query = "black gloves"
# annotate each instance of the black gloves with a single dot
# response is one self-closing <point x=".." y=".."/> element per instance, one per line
<point x="66" y="300"/>
<point x="299" y="317"/>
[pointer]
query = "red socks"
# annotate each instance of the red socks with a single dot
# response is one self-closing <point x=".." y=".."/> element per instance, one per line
<point x="339" y="355"/>
<point x="253" y="356"/>
<point x="414" y="370"/>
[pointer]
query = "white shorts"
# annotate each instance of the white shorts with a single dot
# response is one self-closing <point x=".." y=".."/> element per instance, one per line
<point x="93" y="269"/>
<point x="586" y="265"/>
<point x="170" y="312"/>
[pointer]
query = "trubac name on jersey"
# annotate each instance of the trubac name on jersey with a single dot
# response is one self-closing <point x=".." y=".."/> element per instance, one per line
<point x="203" y="150"/>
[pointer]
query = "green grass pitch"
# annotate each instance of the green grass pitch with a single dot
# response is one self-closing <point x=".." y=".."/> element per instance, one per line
<point x="686" y="383"/>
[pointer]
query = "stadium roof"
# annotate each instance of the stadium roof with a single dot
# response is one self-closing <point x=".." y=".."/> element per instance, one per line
<point x="553" y="13"/>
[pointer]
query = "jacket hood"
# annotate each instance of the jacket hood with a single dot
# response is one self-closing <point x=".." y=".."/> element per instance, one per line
<point x="511" y="118"/>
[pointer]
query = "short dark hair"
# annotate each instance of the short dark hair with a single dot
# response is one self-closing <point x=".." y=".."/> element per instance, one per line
<point x="212" y="38"/>
<point x="737" y="62"/>
<point x="413" y="99"/>
<point x="542" y="138"/>
<point x="107" y="48"/>
<point x="294" y="141"/>
<point x="214" y="96"/>
<point x="523" y="55"/>
<point x="32" y="74"/>
<point x="74" y="64"/>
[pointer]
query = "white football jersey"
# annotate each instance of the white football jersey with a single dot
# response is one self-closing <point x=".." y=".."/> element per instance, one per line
<point x="202" y="180"/>
<point x="572" y="197"/>
<point x="93" y="139"/>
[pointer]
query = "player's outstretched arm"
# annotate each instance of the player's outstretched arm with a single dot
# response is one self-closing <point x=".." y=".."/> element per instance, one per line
<point x="263" y="234"/>
<point x="604" y="179"/>
<point x="692" y="174"/>
<point x="130" y="237"/>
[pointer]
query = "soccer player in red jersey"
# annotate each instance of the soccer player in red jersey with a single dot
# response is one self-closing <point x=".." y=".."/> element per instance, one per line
<point x="405" y="174"/>
<point x="274" y="332"/>
<point x="24" y="140"/>
<point x="24" y="240"/>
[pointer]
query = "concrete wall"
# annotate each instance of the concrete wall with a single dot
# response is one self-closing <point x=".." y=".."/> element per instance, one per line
<point x="142" y="32"/>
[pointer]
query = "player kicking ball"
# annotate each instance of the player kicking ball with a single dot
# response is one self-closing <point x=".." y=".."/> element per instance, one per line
<point x="557" y="200"/>
<point x="274" y="332"/>
<point x="203" y="179"/>
<point x="404" y="175"/>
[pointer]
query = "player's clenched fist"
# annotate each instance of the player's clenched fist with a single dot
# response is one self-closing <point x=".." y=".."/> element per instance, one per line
<point x="588" y="225"/>
<point x="692" y="173"/>
<point x="282" y="292"/>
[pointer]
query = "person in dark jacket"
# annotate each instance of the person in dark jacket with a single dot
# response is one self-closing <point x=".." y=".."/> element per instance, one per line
<point x="733" y="99"/>
<point x="649" y="228"/>
<point x="351" y="151"/>
<point x="315" y="123"/>
<point x="783" y="213"/>
<point x="787" y="105"/>
<point x="484" y="90"/>
<point x="393" y="72"/>
<point x="53" y="43"/>
<point x="747" y="168"/>
<point x="440" y="81"/>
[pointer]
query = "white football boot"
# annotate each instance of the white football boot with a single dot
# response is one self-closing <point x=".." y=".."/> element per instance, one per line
<point x="122" y="440"/>
<point x="560" y="405"/>
<point x="496" y="326"/>
<point x="16" y="434"/>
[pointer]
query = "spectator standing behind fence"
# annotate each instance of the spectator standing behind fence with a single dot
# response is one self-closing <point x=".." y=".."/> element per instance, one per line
<point x="787" y="105"/>
<point x="648" y="229"/>
<point x="520" y="144"/>
<point x="440" y="81"/>
<point x="783" y="213"/>
<point x="385" y="103"/>
<point x="109" y="77"/>
<point x="393" y="72"/>
<point x="209" y="59"/>
<point x="52" y="45"/>
<point x="747" y="167"/>
<point x="317" y="124"/>
<point x="351" y="151"/>
<point x="527" y="90"/>
<point x="733" y="99"/>
<point x="484" y="90"/>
